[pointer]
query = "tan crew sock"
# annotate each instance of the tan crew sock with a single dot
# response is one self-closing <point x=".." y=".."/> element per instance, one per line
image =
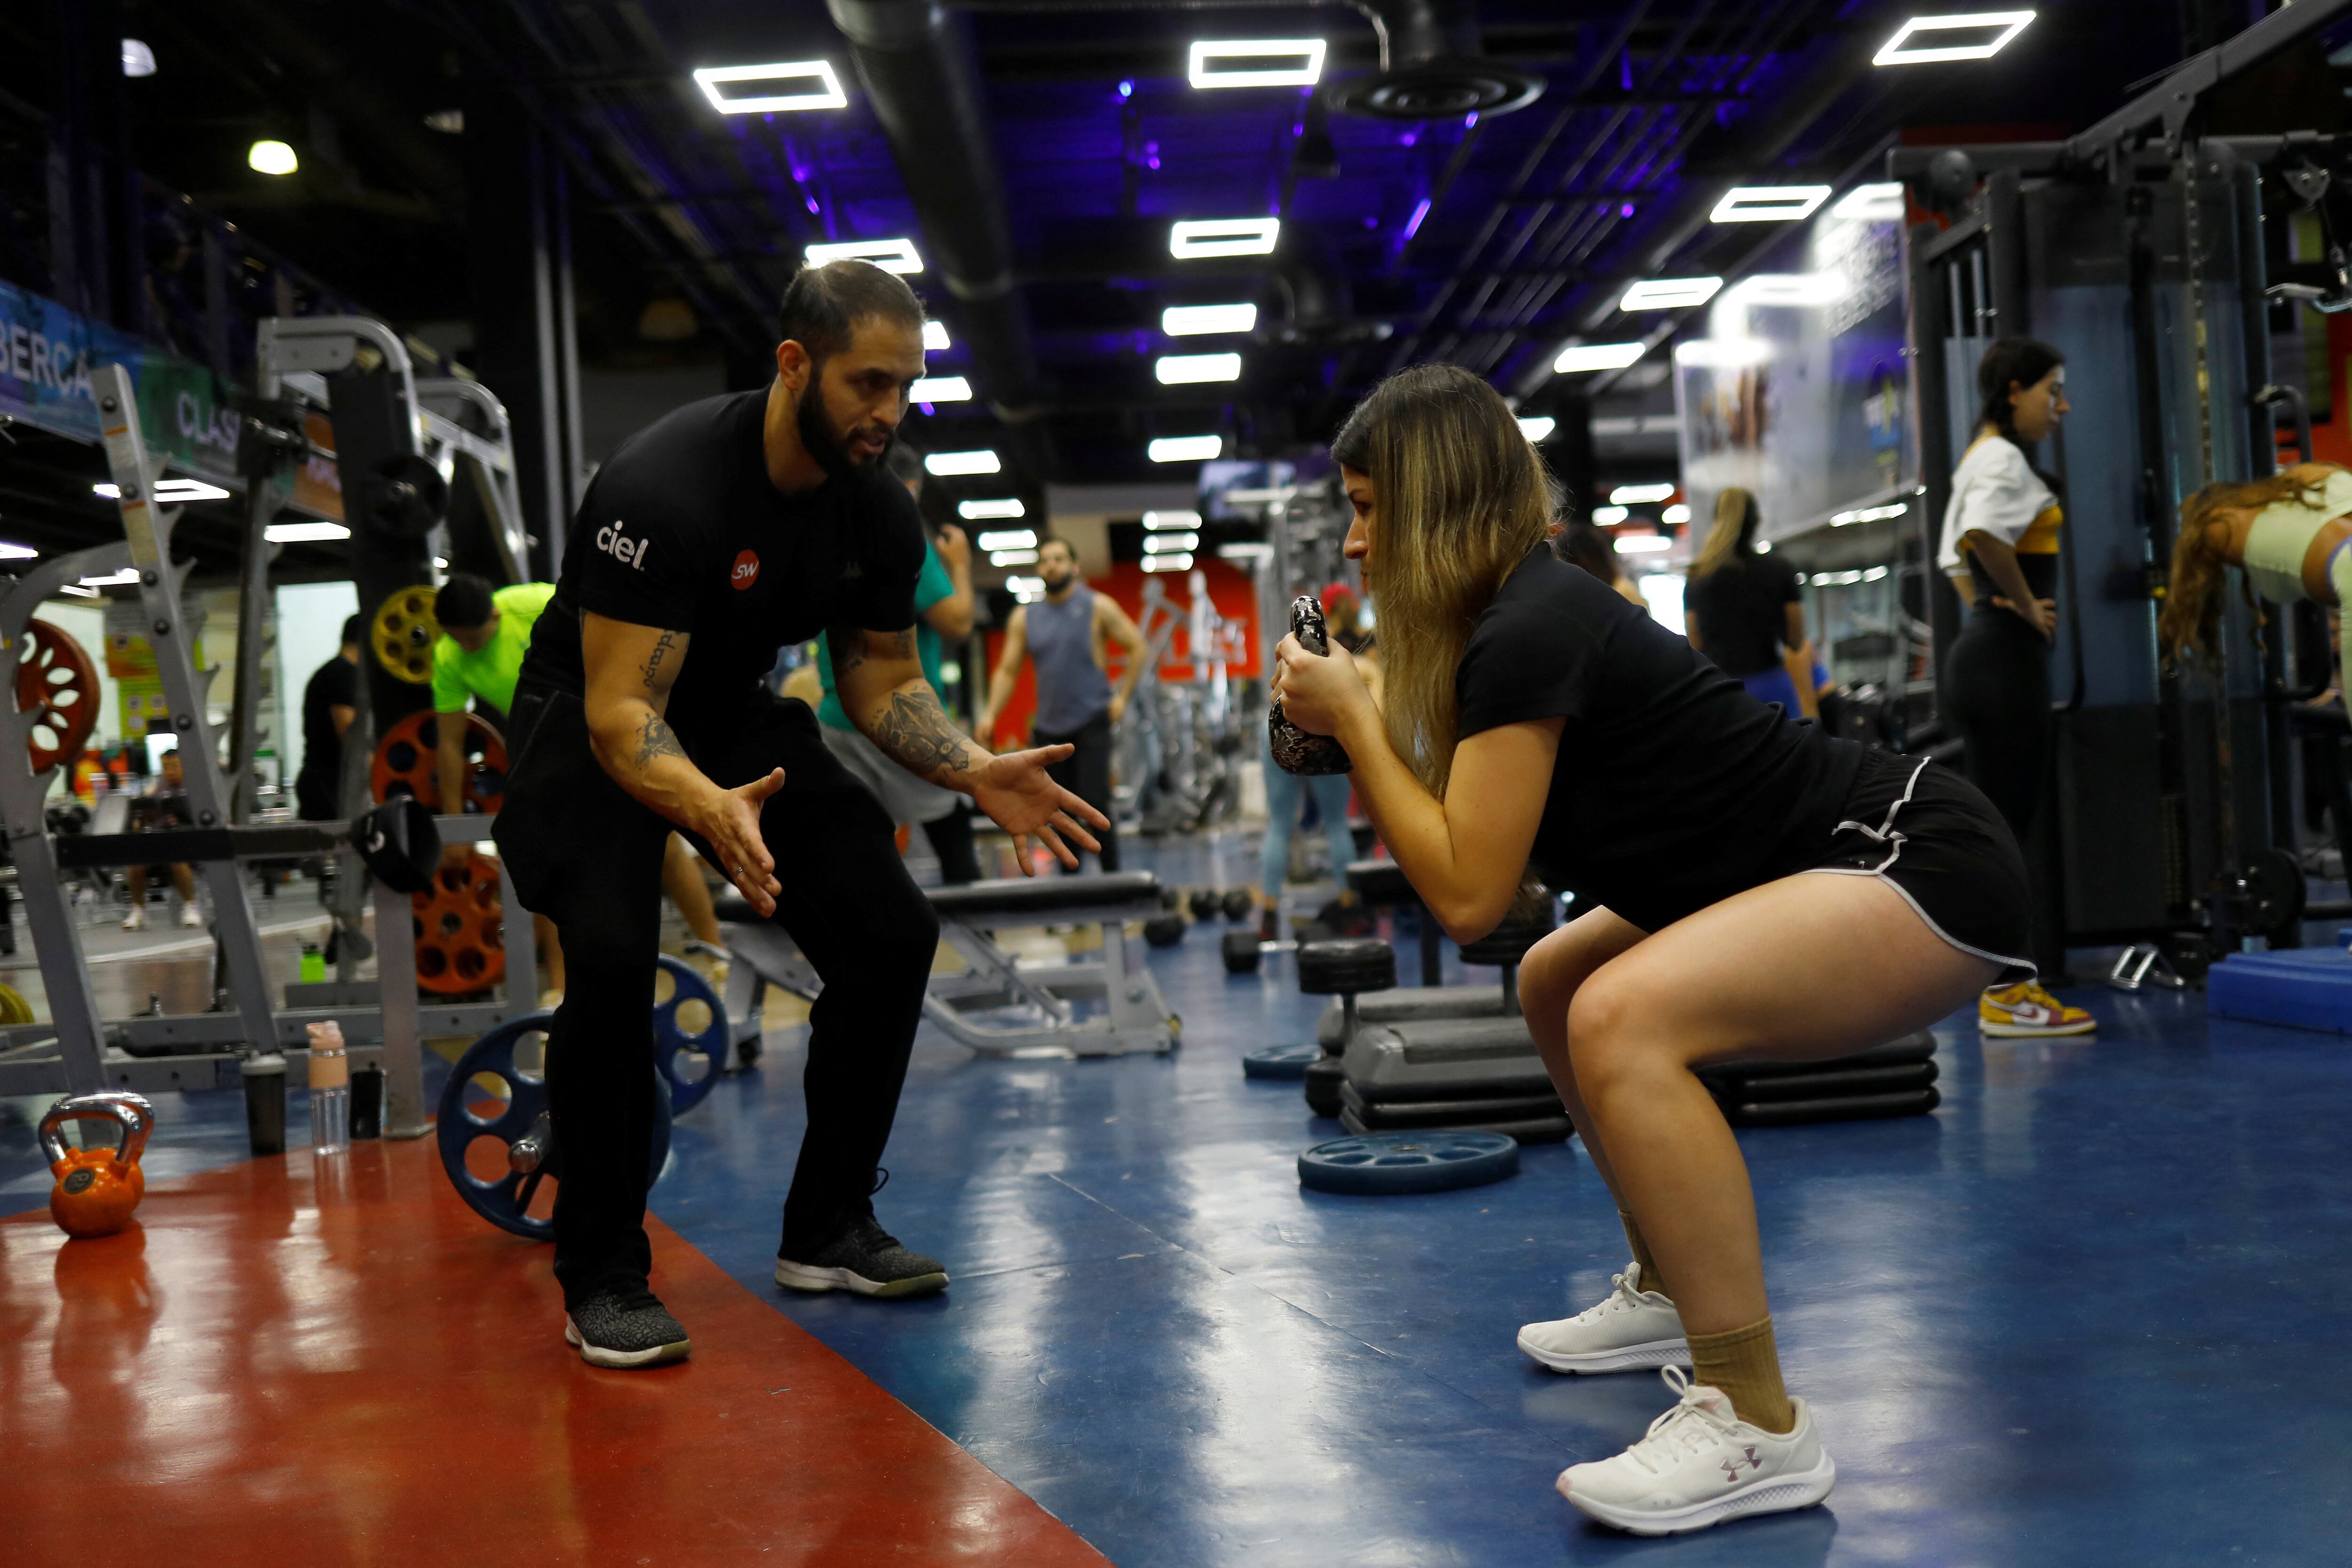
<point x="1651" y="1281"/>
<point x="1746" y="1365"/>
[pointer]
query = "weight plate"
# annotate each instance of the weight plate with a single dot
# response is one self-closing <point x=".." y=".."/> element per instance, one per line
<point x="1322" y="1081"/>
<point x="1385" y="1163"/>
<point x="2274" y="889"/>
<point x="1285" y="1063"/>
<point x="57" y="684"/>
<point x="1240" y="951"/>
<point x="403" y="633"/>
<point x="407" y="762"/>
<point x="460" y="929"/>
<point x="689" y="1033"/>
<point x="1348" y="966"/>
<point x="414" y="497"/>
<point x="512" y="1058"/>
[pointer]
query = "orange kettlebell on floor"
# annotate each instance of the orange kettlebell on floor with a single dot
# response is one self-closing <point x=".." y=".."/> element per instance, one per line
<point x="97" y="1189"/>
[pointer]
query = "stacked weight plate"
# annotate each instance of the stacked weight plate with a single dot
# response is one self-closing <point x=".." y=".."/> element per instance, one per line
<point x="1893" y="1079"/>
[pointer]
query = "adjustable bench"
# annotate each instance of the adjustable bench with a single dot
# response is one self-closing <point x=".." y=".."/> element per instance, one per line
<point x="1033" y="1007"/>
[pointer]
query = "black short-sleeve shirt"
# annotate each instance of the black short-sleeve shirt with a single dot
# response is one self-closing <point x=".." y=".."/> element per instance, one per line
<point x="335" y="684"/>
<point x="1741" y="610"/>
<point x="682" y="530"/>
<point x="1674" y="789"/>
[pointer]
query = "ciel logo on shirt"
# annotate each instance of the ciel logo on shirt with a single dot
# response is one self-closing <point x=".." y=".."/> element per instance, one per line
<point x="628" y="552"/>
<point x="746" y="571"/>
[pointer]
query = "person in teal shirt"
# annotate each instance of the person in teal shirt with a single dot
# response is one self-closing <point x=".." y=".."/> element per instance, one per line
<point x="485" y="632"/>
<point x="943" y="605"/>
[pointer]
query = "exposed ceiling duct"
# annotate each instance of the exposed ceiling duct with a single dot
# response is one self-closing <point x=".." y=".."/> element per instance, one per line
<point x="1433" y="65"/>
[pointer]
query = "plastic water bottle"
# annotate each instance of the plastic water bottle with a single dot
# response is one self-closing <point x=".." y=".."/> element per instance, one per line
<point x="331" y="1090"/>
<point x="314" y="964"/>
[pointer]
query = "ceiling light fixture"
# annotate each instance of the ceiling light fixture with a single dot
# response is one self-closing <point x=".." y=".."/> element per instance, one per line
<point x="1304" y="66"/>
<point x="1609" y="517"/>
<point x="1579" y="357"/>
<point x="1192" y="320"/>
<point x="1010" y="539"/>
<point x="890" y="254"/>
<point x="13" y="551"/>
<point x="1641" y="494"/>
<point x="1169" y="544"/>
<point x="992" y="510"/>
<point x="1181" y="369"/>
<point x="1768" y="203"/>
<point x="1871" y="203"/>
<point x="1723" y="353"/>
<point x="1994" y="29"/>
<point x="1788" y="288"/>
<point x="138" y="60"/>
<point x="822" y="88"/>
<point x="1167" y="563"/>
<point x="271" y="157"/>
<point x="941" y="389"/>
<point x="305" y="533"/>
<point x="1185" y="448"/>
<point x="1642" y="544"/>
<point x="1171" y="520"/>
<point x="169" y="492"/>
<point x="1027" y="590"/>
<point x="112" y="579"/>
<point x="1669" y="293"/>
<point x="1197" y="238"/>
<point x="1013" y="558"/>
<point x="945" y="464"/>
<point x="1677" y="514"/>
<point x="935" y="336"/>
<point x="1537" y="427"/>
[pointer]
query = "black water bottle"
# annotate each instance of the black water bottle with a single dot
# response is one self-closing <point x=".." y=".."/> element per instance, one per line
<point x="1294" y="750"/>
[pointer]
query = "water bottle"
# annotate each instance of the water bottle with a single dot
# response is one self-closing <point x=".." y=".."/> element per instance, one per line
<point x="331" y="1090"/>
<point x="314" y="964"/>
<point x="1294" y="750"/>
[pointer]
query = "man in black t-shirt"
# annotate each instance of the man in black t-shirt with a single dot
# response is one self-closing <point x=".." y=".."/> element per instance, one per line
<point x="330" y="702"/>
<point x="712" y="538"/>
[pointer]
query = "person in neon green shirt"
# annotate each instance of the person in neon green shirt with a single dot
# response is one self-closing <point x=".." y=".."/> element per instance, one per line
<point x="485" y="632"/>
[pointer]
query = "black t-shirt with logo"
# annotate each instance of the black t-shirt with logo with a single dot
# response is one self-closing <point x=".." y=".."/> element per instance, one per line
<point x="1674" y="789"/>
<point x="682" y="530"/>
<point x="1741" y="610"/>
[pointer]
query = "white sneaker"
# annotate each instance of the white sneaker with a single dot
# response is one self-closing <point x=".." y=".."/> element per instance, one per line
<point x="191" y="915"/>
<point x="1700" y="1465"/>
<point x="1632" y="1331"/>
<point x="136" y="920"/>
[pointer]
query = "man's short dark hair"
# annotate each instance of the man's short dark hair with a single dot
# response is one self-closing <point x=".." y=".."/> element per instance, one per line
<point x="1045" y="540"/>
<point x="823" y="305"/>
<point x="463" y="603"/>
<point x="355" y="630"/>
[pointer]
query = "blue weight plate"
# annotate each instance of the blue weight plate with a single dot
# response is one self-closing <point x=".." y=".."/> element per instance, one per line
<point x="1384" y="1162"/>
<point x="689" y="1058"/>
<point x="1287" y="1062"/>
<point x="465" y="1116"/>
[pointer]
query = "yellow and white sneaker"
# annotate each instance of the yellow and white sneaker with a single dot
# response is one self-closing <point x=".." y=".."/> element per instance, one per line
<point x="2025" y="1010"/>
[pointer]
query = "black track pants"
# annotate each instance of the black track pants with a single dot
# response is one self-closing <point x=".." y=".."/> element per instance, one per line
<point x="1997" y="684"/>
<point x="588" y="856"/>
<point x="952" y="840"/>
<point x="1086" y="773"/>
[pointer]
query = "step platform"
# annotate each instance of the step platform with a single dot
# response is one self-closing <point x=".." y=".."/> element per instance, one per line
<point x="1444" y="1059"/>
<point x="2299" y="987"/>
<point x="1529" y="1118"/>
<point x="1898" y="1079"/>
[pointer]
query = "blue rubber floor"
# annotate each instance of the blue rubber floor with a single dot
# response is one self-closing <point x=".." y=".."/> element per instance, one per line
<point x="2090" y="1312"/>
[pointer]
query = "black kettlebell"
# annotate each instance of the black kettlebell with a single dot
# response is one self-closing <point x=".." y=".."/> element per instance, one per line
<point x="1294" y="750"/>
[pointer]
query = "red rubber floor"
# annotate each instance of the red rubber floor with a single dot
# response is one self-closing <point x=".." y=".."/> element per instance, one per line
<point x="352" y="1368"/>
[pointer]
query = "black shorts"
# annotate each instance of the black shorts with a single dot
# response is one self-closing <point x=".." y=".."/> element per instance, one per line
<point x="1932" y="837"/>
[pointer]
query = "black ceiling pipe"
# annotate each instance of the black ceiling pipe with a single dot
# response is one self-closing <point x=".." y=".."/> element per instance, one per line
<point x="1841" y="58"/>
<point x="922" y="77"/>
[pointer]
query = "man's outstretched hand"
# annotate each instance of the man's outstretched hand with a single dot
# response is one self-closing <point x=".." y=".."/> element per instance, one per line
<point x="1020" y="796"/>
<point x="730" y="825"/>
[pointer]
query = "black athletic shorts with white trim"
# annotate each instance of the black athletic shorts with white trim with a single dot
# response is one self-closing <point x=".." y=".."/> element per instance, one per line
<point x="1932" y="836"/>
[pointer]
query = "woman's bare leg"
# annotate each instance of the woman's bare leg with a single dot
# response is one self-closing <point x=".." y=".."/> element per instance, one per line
<point x="682" y="880"/>
<point x="1548" y="976"/>
<point x="1799" y="970"/>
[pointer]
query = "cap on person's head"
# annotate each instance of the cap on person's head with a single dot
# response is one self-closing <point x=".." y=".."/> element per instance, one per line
<point x="904" y="465"/>
<point x="1336" y="595"/>
<point x="463" y="603"/>
<point x="355" y="630"/>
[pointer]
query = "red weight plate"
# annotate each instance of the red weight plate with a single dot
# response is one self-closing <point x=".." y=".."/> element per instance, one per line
<point x="406" y="763"/>
<point x="56" y="681"/>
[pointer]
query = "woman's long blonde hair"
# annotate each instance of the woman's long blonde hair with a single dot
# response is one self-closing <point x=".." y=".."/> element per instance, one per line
<point x="1735" y="515"/>
<point x="2186" y="627"/>
<point x="1462" y="499"/>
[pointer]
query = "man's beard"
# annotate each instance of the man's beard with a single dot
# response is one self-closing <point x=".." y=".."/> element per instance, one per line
<point x="1056" y="583"/>
<point x="828" y="447"/>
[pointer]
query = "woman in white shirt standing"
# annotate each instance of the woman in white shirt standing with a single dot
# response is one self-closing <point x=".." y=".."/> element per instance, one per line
<point x="2001" y="549"/>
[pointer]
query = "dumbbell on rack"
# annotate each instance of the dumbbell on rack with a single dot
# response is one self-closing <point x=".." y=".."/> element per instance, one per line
<point x="1342" y="968"/>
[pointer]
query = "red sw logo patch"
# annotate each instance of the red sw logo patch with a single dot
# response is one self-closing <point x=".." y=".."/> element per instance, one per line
<point x="746" y="572"/>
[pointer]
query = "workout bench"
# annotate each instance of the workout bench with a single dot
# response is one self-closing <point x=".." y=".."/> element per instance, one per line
<point x="1040" y="1019"/>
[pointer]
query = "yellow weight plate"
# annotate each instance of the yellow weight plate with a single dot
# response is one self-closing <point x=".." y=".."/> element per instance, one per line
<point x="14" y="1008"/>
<point x="403" y="635"/>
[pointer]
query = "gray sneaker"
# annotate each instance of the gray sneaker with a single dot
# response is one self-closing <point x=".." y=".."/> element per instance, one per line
<point x="627" y="1327"/>
<point x="867" y="1259"/>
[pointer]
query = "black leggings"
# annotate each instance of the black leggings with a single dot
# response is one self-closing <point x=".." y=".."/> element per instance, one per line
<point x="588" y="856"/>
<point x="951" y="839"/>
<point x="1997" y="681"/>
<point x="1086" y="773"/>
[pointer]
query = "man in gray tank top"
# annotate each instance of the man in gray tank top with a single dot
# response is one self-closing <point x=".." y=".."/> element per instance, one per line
<point x="1067" y="632"/>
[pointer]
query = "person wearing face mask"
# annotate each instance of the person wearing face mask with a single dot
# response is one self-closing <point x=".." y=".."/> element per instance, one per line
<point x="2001" y="549"/>
<point x="721" y="533"/>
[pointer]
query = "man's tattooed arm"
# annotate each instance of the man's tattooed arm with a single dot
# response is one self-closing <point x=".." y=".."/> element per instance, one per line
<point x="662" y="650"/>
<point x="655" y="739"/>
<point x="915" y="733"/>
